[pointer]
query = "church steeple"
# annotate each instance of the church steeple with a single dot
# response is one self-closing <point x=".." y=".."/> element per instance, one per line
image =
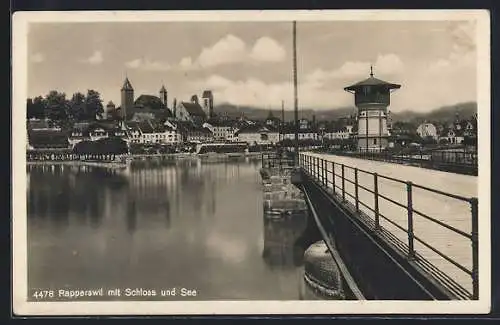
<point x="164" y="95"/>
<point x="127" y="85"/>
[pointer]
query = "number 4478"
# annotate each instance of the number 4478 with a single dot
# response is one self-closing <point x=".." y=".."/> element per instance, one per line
<point x="43" y="294"/>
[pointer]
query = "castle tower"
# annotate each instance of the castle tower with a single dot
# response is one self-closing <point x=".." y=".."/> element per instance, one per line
<point x="127" y="98"/>
<point x="208" y="103"/>
<point x="164" y="96"/>
<point x="194" y="99"/>
<point x="109" y="111"/>
<point x="372" y="97"/>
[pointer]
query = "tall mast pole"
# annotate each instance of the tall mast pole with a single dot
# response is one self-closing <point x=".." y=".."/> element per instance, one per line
<point x="282" y="124"/>
<point x="295" y="97"/>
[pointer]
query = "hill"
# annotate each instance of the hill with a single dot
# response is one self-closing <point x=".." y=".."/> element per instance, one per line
<point x="440" y="114"/>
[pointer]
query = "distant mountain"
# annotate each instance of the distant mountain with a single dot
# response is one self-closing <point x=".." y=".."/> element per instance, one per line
<point x="257" y="113"/>
<point x="441" y="114"/>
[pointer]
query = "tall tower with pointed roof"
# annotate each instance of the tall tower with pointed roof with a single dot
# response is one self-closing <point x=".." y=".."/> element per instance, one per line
<point x="164" y="96"/>
<point x="127" y="98"/>
<point x="372" y="97"/>
<point x="208" y="103"/>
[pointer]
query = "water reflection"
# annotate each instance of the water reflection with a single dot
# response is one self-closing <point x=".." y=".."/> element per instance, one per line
<point x="161" y="224"/>
<point x="281" y="245"/>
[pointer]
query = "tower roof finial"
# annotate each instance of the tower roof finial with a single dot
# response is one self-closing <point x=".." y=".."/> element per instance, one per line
<point x="371" y="70"/>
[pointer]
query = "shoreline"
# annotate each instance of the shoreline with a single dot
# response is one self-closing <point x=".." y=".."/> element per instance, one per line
<point x="123" y="164"/>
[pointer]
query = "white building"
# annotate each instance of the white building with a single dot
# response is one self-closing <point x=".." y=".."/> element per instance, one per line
<point x="222" y="130"/>
<point x="426" y="130"/>
<point x="260" y="135"/>
<point x="148" y="132"/>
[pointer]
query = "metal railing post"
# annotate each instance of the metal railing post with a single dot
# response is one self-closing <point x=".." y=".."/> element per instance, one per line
<point x="411" y="249"/>
<point x="343" y="182"/>
<point x="317" y="168"/>
<point x="375" y="194"/>
<point x="475" y="248"/>
<point x="333" y="177"/>
<point x="325" y="173"/>
<point x="356" y="194"/>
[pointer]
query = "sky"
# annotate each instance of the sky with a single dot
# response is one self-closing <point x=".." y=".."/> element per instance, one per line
<point x="250" y="63"/>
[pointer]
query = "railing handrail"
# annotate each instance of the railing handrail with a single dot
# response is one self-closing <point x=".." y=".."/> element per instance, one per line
<point x="451" y="195"/>
<point x="317" y="168"/>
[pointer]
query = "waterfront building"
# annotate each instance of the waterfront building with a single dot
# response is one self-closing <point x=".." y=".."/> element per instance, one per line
<point x="372" y="97"/>
<point x="222" y="130"/>
<point x="258" y="134"/>
<point x="306" y="131"/>
<point x="151" y="132"/>
<point x="194" y="133"/>
<point x="94" y="131"/>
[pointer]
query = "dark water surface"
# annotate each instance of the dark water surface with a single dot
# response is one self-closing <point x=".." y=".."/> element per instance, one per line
<point x="158" y="226"/>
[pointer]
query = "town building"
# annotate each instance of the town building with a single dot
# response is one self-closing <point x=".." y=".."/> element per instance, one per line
<point x="152" y="132"/>
<point x="307" y="131"/>
<point x="222" y="130"/>
<point x="194" y="133"/>
<point x="94" y="131"/>
<point x="427" y="130"/>
<point x="258" y="135"/>
<point x="191" y="112"/>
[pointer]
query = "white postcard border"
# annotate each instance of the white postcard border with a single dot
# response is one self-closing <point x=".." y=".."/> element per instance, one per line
<point x="21" y="21"/>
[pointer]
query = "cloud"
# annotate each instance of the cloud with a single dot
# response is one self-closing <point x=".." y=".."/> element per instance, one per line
<point x="186" y="63"/>
<point x="386" y="65"/>
<point x="148" y="65"/>
<point x="463" y="49"/>
<point x="37" y="58"/>
<point x="231" y="49"/>
<point x="255" y="92"/>
<point x="267" y="50"/>
<point x="94" y="59"/>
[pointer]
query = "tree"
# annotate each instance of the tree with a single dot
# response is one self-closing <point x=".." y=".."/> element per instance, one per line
<point x="77" y="106"/>
<point x="57" y="107"/>
<point x="35" y="108"/>
<point x="93" y="104"/>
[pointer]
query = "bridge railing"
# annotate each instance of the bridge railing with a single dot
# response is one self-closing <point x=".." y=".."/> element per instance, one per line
<point x="401" y="210"/>
<point x="461" y="161"/>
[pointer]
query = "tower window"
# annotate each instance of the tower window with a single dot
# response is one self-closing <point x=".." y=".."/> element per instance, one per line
<point x="374" y="141"/>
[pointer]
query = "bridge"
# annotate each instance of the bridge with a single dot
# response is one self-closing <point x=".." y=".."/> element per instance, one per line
<point x="396" y="232"/>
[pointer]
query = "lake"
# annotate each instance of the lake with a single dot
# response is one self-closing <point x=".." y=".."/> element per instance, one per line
<point x="160" y="230"/>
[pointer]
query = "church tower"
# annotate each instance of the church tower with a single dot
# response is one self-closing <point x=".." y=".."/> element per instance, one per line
<point x="164" y="96"/>
<point x="372" y="97"/>
<point x="208" y="103"/>
<point x="127" y="98"/>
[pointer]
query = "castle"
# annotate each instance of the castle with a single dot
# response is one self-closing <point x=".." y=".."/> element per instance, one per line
<point x="146" y="107"/>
